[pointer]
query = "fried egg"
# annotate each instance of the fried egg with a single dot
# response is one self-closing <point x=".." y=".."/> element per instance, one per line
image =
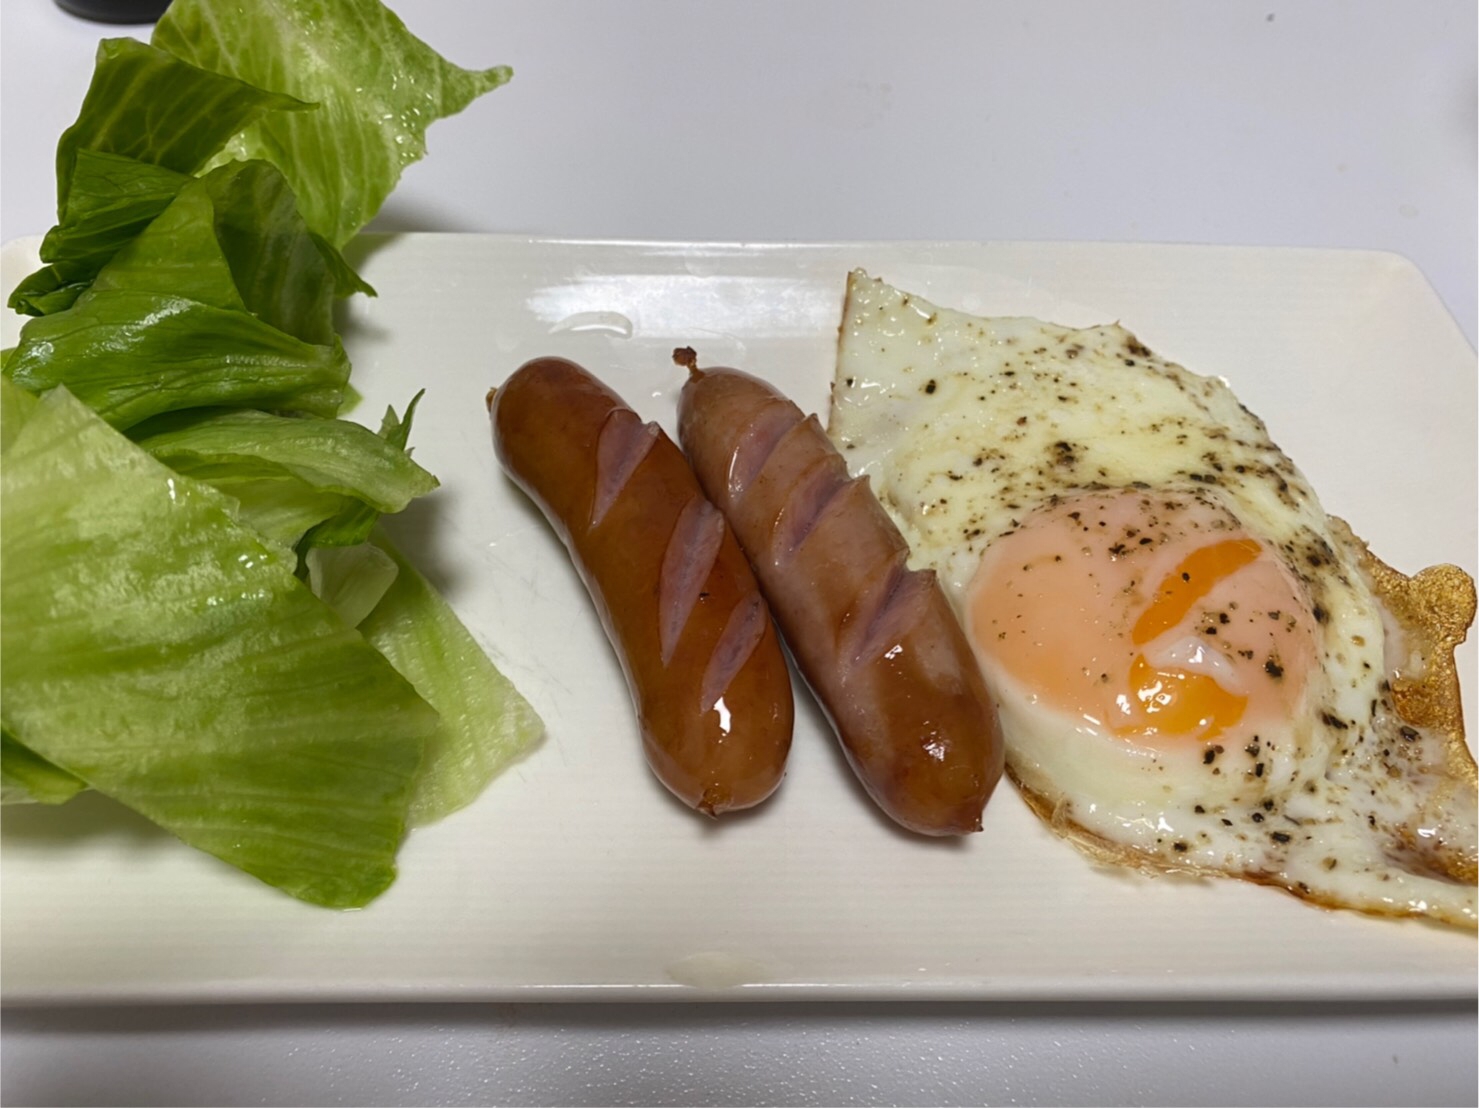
<point x="1197" y="669"/>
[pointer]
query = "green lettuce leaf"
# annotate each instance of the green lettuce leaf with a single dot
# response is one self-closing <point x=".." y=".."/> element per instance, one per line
<point x="109" y="337"/>
<point x="178" y="255"/>
<point x="16" y="406"/>
<point x="485" y="725"/>
<point x="114" y="198"/>
<point x="377" y="88"/>
<point x="165" y="656"/>
<point x="331" y="455"/>
<point x="111" y="200"/>
<point x="52" y="288"/>
<point x="165" y="326"/>
<point x="350" y="579"/>
<point x="353" y="524"/>
<point x="155" y="107"/>
<point x="28" y="778"/>
<point x="346" y="281"/>
<point x="271" y="501"/>
<point x="279" y="267"/>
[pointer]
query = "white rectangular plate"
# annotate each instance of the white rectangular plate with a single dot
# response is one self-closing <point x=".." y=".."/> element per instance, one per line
<point x="575" y="875"/>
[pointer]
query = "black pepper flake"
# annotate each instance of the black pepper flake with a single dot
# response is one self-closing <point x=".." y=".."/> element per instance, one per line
<point x="1408" y="733"/>
<point x="930" y="385"/>
<point x="1279" y="836"/>
<point x="1179" y="847"/>
<point x="1227" y="823"/>
<point x="1273" y="669"/>
<point x="1258" y="769"/>
<point x="1320" y="614"/>
<point x="1199" y="810"/>
<point x="1334" y="721"/>
<point x="1257" y="817"/>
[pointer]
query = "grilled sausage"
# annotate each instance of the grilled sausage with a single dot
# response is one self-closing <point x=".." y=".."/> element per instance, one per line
<point x="877" y="642"/>
<point x="678" y="601"/>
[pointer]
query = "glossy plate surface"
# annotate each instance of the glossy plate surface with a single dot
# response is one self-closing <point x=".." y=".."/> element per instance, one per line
<point x="575" y="875"/>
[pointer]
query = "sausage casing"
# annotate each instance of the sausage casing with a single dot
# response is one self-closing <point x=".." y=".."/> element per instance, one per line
<point x="877" y="642"/>
<point x="674" y="592"/>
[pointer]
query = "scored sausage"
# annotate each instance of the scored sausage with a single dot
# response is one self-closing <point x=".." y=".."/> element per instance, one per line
<point x="877" y="642"/>
<point x="673" y="590"/>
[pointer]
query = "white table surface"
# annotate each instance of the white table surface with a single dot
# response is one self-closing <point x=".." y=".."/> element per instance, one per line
<point x="1336" y="123"/>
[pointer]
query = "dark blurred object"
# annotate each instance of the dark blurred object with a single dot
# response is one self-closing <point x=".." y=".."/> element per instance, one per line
<point x="116" y="11"/>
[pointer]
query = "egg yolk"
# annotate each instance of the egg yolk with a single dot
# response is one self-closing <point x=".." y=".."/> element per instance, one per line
<point x="1156" y="619"/>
